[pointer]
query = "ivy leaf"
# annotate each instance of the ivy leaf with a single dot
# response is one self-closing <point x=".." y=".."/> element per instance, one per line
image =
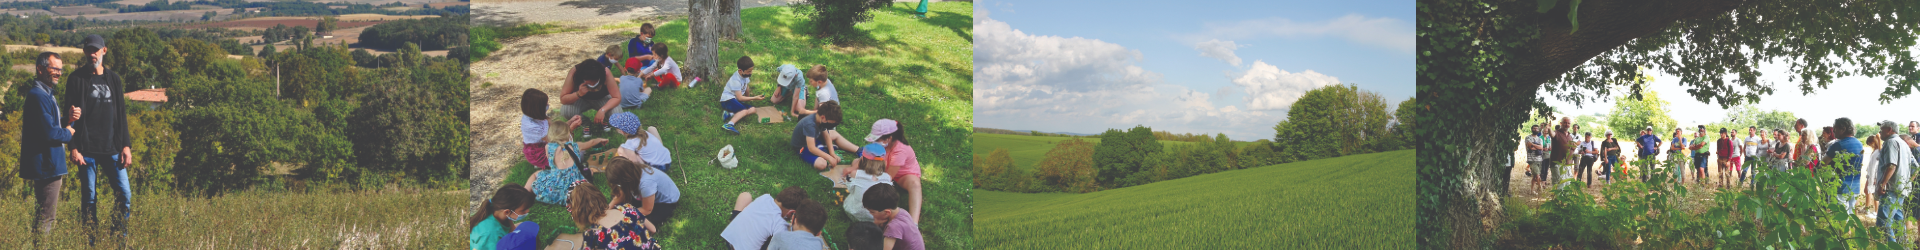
<point x="1573" y="16"/>
<point x="1546" y="5"/>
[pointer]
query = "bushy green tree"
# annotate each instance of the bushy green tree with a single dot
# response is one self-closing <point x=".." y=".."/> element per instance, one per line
<point x="1069" y="167"/>
<point x="1631" y="114"/>
<point x="1121" y="154"/>
<point x="1332" y="121"/>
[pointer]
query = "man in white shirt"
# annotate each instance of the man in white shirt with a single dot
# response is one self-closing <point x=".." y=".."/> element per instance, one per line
<point x="1588" y="147"/>
<point x="1896" y="171"/>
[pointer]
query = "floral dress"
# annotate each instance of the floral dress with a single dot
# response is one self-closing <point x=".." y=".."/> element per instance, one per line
<point x="628" y="234"/>
<point x="551" y="185"/>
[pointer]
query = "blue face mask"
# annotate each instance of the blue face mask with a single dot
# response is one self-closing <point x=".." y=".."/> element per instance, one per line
<point x="519" y="218"/>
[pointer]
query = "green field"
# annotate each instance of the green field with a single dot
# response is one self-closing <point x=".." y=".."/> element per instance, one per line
<point x="1029" y="150"/>
<point x="1352" y="202"/>
<point x="917" y="71"/>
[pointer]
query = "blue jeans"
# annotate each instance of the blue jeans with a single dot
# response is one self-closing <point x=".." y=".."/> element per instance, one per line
<point x="1891" y="215"/>
<point x="1849" y="188"/>
<point x="1607" y="167"/>
<point x="117" y="176"/>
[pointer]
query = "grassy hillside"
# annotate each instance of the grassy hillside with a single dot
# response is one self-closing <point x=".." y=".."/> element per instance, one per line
<point x="919" y="72"/>
<point x="1352" y="202"/>
<point x="393" y="219"/>
<point x="1028" y="150"/>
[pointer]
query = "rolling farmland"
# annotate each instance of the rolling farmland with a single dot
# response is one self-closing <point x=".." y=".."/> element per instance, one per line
<point x="1352" y="202"/>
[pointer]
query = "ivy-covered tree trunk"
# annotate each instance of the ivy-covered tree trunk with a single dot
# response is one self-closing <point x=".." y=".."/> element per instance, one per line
<point x="1480" y="73"/>
<point x="730" y="19"/>
<point x="703" y="44"/>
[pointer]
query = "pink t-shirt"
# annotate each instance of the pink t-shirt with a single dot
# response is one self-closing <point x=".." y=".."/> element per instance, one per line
<point x="901" y="155"/>
<point x="902" y="228"/>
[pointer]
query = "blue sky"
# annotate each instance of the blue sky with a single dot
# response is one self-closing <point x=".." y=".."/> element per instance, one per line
<point x="1086" y="66"/>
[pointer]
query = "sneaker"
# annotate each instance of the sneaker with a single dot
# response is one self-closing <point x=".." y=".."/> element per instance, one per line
<point x="725" y="116"/>
<point x="730" y="128"/>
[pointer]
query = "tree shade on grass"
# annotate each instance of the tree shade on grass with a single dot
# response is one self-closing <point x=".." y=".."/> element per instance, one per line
<point x="921" y="76"/>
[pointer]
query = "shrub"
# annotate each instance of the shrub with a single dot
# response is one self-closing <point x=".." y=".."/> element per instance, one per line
<point x="834" y="19"/>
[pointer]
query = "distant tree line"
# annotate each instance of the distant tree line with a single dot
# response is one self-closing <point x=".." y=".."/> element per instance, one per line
<point x="434" y="33"/>
<point x="1326" y="122"/>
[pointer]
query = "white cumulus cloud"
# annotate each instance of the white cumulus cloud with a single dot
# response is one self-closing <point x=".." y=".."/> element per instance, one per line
<point x="1270" y="88"/>
<point x="1218" y="49"/>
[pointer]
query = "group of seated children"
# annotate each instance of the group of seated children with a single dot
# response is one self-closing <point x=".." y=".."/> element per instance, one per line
<point x="591" y="85"/>
<point x="793" y="88"/>
<point x="643" y="195"/>
<point x="790" y="220"/>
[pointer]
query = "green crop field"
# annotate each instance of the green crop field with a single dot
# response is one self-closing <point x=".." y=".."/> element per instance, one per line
<point x="1352" y="202"/>
<point x="1028" y="150"/>
<point x="917" y="71"/>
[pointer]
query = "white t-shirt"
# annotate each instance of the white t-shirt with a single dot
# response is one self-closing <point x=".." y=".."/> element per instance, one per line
<point x="755" y="224"/>
<point x="857" y="188"/>
<point x="532" y="131"/>
<point x="827" y="93"/>
<point x="655" y="153"/>
<point x="1753" y="145"/>
<point x="735" y="84"/>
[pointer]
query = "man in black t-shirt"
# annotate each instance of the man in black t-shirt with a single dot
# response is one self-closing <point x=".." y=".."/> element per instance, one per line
<point x="101" y="144"/>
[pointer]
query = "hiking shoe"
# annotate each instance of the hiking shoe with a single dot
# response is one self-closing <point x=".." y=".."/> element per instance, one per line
<point x="730" y="128"/>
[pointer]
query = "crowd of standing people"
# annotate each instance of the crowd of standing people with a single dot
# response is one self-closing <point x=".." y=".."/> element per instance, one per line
<point x="1880" y="166"/>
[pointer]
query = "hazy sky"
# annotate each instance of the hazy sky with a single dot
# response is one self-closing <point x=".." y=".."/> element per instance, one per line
<point x="1854" y="97"/>
<point x="1180" y="66"/>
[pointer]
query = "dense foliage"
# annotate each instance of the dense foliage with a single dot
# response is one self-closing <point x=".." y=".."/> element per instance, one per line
<point x="434" y="33"/>
<point x="1483" y="65"/>
<point x="1121" y="155"/>
<point x="834" y="19"/>
<point x="1333" y="121"/>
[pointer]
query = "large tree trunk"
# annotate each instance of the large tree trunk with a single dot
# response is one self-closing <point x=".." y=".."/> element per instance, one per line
<point x="703" y="44"/>
<point x="1464" y="167"/>
<point x="729" y="19"/>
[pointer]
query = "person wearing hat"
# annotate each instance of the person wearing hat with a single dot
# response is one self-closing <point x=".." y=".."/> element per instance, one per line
<point x="792" y="90"/>
<point x="1894" y="172"/>
<point x="643" y="147"/>
<point x="101" y="143"/>
<point x="1649" y="146"/>
<point x="636" y="91"/>
<point x="901" y="161"/>
<point x="43" y="135"/>
<point x="871" y="170"/>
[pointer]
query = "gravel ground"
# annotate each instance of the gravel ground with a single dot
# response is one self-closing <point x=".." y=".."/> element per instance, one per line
<point x="538" y="62"/>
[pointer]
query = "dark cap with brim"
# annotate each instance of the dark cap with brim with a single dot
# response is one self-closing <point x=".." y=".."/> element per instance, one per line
<point x="93" y="43"/>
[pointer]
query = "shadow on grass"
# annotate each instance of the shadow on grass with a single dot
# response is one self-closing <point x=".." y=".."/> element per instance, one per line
<point x="904" y="73"/>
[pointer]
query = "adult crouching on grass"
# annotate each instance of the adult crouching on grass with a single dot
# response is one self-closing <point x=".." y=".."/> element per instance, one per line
<point x="647" y="189"/>
<point x="43" y="136"/>
<point x="590" y="87"/>
<point x="101" y="144"/>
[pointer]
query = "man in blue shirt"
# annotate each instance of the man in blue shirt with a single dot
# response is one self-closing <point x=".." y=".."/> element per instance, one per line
<point x="1846" y="156"/>
<point x="43" y="158"/>
<point x="1649" y="147"/>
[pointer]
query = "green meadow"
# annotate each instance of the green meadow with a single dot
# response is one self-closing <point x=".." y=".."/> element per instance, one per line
<point x="1028" y="150"/>
<point x="1351" y="202"/>
<point x="396" y="218"/>
<point x="916" y="71"/>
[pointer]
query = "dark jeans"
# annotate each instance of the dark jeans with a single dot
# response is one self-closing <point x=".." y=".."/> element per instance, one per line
<point x="1606" y="167"/>
<point x="1585" y="169"/>
<point x="47" y="193"/>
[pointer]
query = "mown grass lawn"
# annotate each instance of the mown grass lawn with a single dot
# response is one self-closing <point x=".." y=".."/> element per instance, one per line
<point x="1352" y="202"/>
<point x="917" y="71"/>
<point x="402" y="219"/>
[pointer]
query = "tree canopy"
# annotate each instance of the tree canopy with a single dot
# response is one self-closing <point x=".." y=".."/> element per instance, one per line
<point x="1482" y="65"/>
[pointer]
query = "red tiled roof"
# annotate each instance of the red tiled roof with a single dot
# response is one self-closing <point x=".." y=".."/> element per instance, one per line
<point x="148" y="95"/>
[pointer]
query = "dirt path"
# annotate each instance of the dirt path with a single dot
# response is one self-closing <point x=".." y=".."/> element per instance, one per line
<point x="538" y="62"/>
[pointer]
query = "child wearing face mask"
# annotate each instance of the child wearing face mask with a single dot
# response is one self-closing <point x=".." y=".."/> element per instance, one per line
<point x="496" y="216"/>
